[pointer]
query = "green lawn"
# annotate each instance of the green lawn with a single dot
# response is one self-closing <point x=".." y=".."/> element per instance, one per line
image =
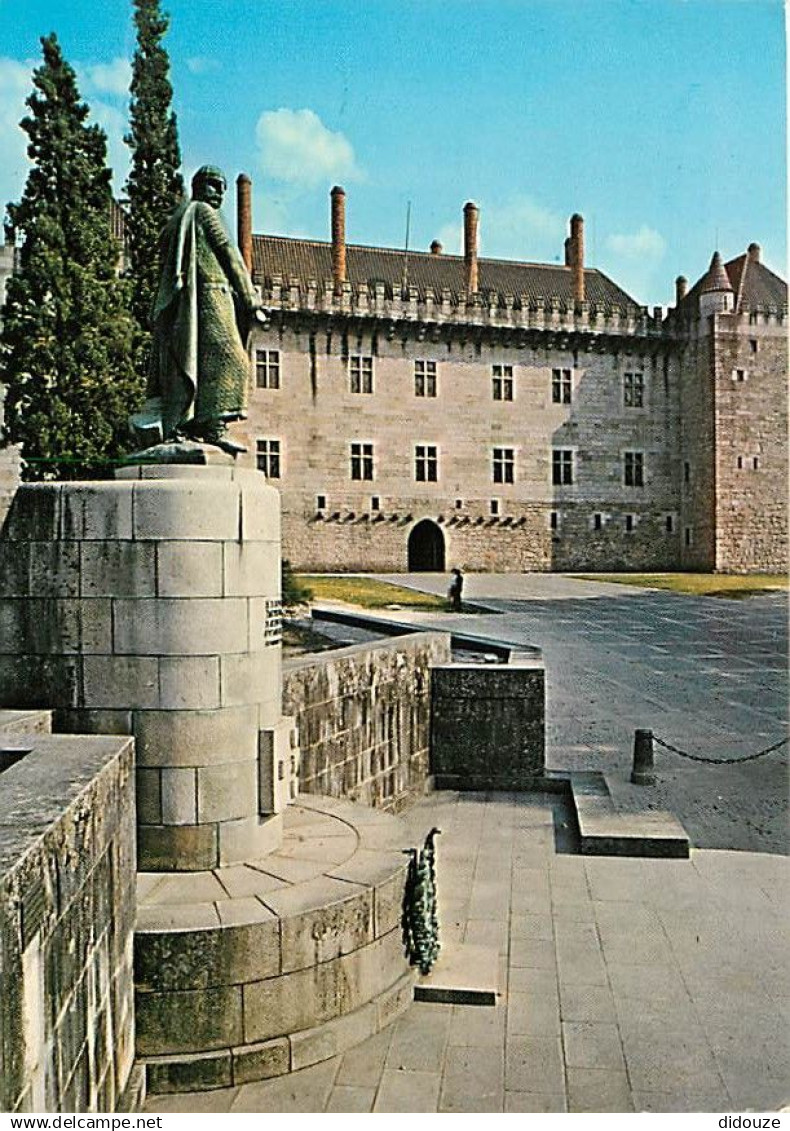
<point x="368" y="593"/>
<point x="698" y="584"/>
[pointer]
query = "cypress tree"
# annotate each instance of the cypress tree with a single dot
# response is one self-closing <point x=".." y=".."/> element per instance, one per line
<point x="155" y="186"/>
<point x="65" y="348"/>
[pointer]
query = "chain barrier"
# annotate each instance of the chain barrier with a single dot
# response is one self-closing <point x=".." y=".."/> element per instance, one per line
<point x="719" y="761"/>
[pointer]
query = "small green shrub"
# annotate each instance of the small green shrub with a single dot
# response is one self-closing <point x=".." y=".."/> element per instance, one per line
<point x="293" y="590"/>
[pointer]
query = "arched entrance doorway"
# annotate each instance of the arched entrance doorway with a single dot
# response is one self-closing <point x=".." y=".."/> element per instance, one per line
<point x="426" y="547"/>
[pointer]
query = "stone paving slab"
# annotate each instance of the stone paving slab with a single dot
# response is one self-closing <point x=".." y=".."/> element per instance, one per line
<point x="605" y="831"/>
<point x="657" y="993"/>
<point x="464" y="974"/>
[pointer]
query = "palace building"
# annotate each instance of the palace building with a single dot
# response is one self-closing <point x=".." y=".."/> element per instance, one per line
<point x="424" y="410"/>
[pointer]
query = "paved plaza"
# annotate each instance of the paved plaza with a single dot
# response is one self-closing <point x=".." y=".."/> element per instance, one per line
<point x="707" y="674"/>
<point x="625" y="984"/>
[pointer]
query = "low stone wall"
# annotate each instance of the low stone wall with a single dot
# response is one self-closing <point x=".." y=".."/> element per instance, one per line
<point x="67" y="910"/>
<point x="363" y="718"/>
<point x="488" y="724"/>
<point x="261" y="969"/>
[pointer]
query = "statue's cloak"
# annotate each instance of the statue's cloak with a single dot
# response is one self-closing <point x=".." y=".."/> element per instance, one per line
<point x="200" y="368"/>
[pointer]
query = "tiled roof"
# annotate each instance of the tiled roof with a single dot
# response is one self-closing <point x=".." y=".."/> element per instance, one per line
<point x="754" y="285"/>
<point x="717" y="278"/>
<point x="311" y="259"/>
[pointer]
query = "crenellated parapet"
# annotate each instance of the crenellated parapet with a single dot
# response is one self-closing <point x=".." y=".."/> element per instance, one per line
<point x="480" y="309"/>
<point x="680" y="324"/>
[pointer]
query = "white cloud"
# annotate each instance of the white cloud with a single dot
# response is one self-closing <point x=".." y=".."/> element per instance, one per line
<point x="201" y="64"/>
<point x="115" y="124"/>
<point x="451" y="237"/>
<point x="15" y="85"/>
<point x="108" y="78"/>
<point x="644" y="244"/>
<point x="517" y="228"/>
<point x="295" y="146"/>
<point x="521" y="228"/>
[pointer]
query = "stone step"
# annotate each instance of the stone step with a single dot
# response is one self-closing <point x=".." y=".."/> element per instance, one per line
<point x="463" y="975"/>
<point x="605" y="831"/>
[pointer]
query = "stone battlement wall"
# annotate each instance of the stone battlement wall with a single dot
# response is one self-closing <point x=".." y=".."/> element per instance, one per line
<point x="363" y="718"/>
<point x="467" y="310"/>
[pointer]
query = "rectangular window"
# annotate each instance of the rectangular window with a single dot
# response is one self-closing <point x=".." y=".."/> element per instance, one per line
<point x="375" y="503"/>
<point x="739" y="375"/>
<point x="320" y="502"/>
<point x="361" y="461"/>
<point x="633" y="390"/>
<point x="267" y="369"/>
<point x="561" y="386"/>
<point x="756" y="463"/>
<point x="597" y="522"/>
<point x="267" y="458"/>
<point x="687" y="472"/>
<point x="629" y="524"/>
<point x="670" y="524"/>
<point x="554" y="520"/>
<point x="360" y="373"/>
<point x="634" y="469"/>
<point x="425" y="378"/>
<point x="561" y="467"/>
<point x="687" y="535"/>
<point x="459" y="504"/>
<point x="494" y="506"/>
<point x="753" y="345"/>
<point x="504" y="465"/>
<point x="426" y="463"/>
<point x="739" y="462"/>
<point x="502" y="382"/>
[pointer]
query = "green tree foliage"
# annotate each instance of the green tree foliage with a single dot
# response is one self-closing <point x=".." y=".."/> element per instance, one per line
<point x="294" y="591"/>
<point x="155" y="186"/>
<point x="65" y="349"/>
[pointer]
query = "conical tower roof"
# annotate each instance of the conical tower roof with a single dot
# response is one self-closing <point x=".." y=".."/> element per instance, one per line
<point x="717" y="278"/>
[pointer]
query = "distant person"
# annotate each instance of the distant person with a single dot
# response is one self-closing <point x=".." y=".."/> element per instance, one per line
<point x="455" y="590"/>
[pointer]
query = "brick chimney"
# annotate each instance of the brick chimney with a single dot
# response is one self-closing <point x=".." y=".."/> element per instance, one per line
<point x="754" y="252"/>
<point x="244" y="218"/>
<point x="577" y="256"/>
<point x="681" y="289"/>
<point x="338" y="196"/>
<point x="471" y="217"/>
<point x="436" y="248"/>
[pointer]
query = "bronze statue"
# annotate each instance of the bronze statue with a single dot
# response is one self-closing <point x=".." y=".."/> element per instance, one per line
<point x="202" y="316"/>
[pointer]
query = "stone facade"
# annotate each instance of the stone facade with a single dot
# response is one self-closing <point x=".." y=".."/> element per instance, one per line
<point x="67" y="912"/>
<point x="488" y="724"/>
<point x="539" y="525"/>
<point x="452" y="410"/>
<point x="362" y="715"/>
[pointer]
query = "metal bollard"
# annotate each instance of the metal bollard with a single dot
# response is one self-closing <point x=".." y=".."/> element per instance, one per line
<point x="642" y="773"/>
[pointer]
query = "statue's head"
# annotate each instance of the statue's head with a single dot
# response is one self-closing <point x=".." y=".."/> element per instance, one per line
<point x="209" y="184"/>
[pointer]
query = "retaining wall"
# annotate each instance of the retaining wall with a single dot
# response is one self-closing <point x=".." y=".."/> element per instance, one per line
<point x="363" y="718"/>
<point x="67" y="911"/>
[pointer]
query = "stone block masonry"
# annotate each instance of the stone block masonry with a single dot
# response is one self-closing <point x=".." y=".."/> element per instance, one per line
<point x="362" y="715"/>
<point x="488" y="725"/>
<point x="150" y="606"/>
<point x="67" y="913"/>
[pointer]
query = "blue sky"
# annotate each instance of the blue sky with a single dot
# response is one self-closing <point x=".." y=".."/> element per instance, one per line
<point x="661" y="121"/>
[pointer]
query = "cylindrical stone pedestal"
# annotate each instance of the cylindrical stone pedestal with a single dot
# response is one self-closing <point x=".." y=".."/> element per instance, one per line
<point x="151" y="606"/>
